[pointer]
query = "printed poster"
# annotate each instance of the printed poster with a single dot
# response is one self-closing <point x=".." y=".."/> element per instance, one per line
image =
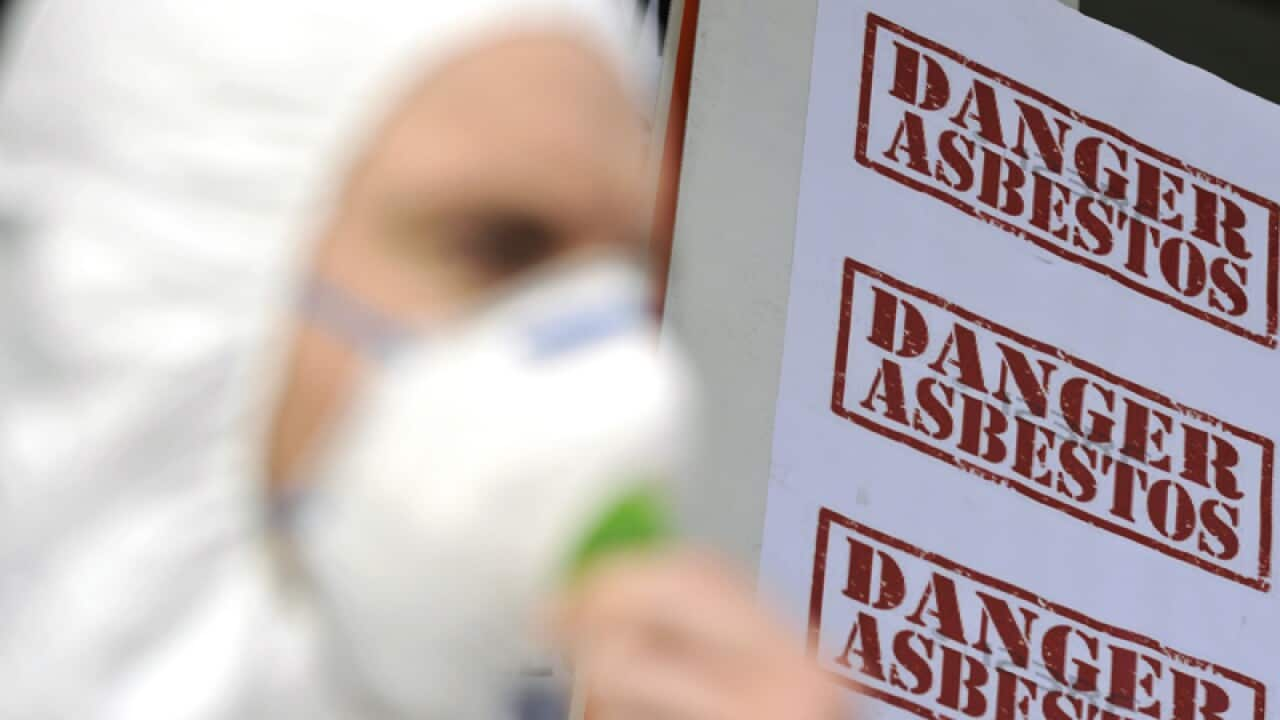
<point x="1024" y="450"/>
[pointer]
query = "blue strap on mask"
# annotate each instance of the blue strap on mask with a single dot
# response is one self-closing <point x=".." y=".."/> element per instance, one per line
<point x="349" y="319"/>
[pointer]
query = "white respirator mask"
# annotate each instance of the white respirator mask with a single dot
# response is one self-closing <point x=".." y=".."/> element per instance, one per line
<point x="478" y="469"/>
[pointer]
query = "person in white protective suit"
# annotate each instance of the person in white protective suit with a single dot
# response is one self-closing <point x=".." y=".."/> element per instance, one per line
<point x="324" y="371"/>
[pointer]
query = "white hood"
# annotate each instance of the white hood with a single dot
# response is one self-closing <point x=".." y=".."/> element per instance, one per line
<point x="164" y="166"/>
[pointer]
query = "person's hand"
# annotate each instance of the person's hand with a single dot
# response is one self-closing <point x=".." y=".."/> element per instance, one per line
<point x="679" y="637"/>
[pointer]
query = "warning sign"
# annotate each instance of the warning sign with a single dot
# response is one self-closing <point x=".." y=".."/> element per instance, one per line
<point x="1028" y="396"/>
<point x="1059" y="430"/>
<point x="933" y="637"/>
<point x="1001" y="151"/>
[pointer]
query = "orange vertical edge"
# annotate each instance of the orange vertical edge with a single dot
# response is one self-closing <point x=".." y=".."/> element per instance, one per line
<point x="664" y="220"/>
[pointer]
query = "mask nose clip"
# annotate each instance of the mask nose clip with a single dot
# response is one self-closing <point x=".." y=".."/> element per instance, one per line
<point x="582" y="327"/>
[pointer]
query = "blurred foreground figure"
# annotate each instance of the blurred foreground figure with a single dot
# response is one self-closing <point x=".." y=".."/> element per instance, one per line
<point x="327" y="372"/>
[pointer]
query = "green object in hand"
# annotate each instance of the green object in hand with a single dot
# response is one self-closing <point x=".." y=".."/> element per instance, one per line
<point x="639" y="519"/>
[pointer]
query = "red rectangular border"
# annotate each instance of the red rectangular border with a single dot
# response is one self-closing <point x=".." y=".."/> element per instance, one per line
<point x="827" y="517"/>
<point x="852" y="268"/>
<point x="875" y="22"/>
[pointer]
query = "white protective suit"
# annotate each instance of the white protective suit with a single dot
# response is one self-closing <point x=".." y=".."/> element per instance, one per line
<point x="164" y="165"/>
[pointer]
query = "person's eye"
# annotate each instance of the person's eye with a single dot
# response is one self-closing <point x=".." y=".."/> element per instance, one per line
<point x="504" y="244"/>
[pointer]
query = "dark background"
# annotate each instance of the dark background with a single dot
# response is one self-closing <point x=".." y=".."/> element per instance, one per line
<point x="1237" y="40"/>
<point x="664" y="13"/>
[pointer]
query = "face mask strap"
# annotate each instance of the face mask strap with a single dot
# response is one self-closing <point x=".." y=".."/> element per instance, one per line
<point x="349" y="319"/>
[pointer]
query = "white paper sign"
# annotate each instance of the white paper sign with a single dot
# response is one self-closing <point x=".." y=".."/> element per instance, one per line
<point x="1023" y="457"/>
